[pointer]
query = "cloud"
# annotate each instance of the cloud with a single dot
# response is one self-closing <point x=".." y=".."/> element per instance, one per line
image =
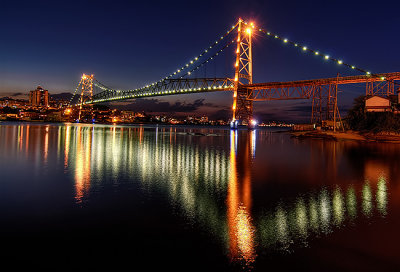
<point x="155" y="105"/>
<point x="223" y="114"/>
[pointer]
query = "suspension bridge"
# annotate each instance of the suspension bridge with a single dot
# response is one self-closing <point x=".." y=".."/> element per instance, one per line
<point x="322" y="92"/>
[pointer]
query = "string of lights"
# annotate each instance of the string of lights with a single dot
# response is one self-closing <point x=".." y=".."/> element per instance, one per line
<point x="76" y="89"/>
<point x="184" y="67"/>
<point x="102" y="86"/>
<point x="326" y="57"/>
<point x="208" y="60"/>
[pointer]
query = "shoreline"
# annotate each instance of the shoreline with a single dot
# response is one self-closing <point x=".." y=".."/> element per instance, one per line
<point x="347" y="136"/>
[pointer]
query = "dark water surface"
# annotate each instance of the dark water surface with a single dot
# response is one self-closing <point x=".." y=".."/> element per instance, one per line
<point x="141" y="198"/>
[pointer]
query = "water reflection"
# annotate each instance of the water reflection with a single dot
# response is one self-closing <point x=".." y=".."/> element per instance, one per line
<point x="241" y="229"/>
<point x="211" y="180"/>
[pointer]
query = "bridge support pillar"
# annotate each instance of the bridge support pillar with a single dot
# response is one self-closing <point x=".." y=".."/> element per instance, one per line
<point x="242" y="107"/>
<point x="86" y="109"/>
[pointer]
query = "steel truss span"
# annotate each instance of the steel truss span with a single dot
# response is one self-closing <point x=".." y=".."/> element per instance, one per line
<point x="305" y="89"/>
<point x="322" y="92"/>
<point x="302" y="89"/>
<point x="167" y="87"/>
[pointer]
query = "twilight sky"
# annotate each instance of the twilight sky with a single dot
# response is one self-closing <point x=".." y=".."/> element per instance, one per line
<point x="129" y="44"/>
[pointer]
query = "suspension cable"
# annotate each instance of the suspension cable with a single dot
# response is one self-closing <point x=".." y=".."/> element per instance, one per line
<point x="209" y="59"/>
<point x="317" y="53"/>
<point x="77" y="87"/>
<point x="184" y="67"/>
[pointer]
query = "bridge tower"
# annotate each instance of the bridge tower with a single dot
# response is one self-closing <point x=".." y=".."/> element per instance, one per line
<point x="85" y="108"/>
<point x="242" y="107"/>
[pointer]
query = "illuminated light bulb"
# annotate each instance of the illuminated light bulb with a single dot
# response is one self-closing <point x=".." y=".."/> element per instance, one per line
<point x="276" y="37"/>
<point x="248" y="31"/>
<point x="304" y="48"/>
<point x="353" y="67"/>
<point x="268" y="33"/>
<point x="234" y="107"/>
<point x="383" y="78"/>
<point x="368" y="73"/>
<point x="340" y="62"/>
<point x="317" y="53"/>
<point x="196" y="58"/>
<point x="189" y="73"/>
<point x="326" y="57"/>
<point x="296" y="44"/>
<point x="285" y="40"/>
<point x="236" y="79"/>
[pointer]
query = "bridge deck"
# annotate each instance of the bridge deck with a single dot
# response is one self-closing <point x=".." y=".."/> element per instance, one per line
<point x="302" y="89"/>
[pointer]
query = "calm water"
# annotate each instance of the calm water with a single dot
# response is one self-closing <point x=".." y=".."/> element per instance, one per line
<point x="80" y="196"/>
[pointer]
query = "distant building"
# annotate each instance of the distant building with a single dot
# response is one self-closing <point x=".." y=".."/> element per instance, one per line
<point x="378" y="104"/>
<point x="204" y="119"/>
<point x="39" y="97"/>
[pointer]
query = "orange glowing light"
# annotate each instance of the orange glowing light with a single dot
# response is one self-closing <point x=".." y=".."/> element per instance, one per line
<point x="68" y="111"/>
<point x="248" y="31"/>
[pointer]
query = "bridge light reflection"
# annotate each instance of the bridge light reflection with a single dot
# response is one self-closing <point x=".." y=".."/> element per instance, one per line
<point x="338" y="206"/>
<point x="381" y="196"/>
<point x="240" y="227"/>
<point x="367" y="199"/>
<point x="351" y="203"/>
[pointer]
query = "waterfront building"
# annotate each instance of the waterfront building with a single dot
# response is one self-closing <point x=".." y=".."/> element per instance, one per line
<point x="39" y="97"/>
<point x="378" y="104"/>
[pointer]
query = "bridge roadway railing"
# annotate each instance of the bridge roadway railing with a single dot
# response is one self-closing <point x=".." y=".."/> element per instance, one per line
<point x="304" y="89"/>
<point x="166" y="87"/>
